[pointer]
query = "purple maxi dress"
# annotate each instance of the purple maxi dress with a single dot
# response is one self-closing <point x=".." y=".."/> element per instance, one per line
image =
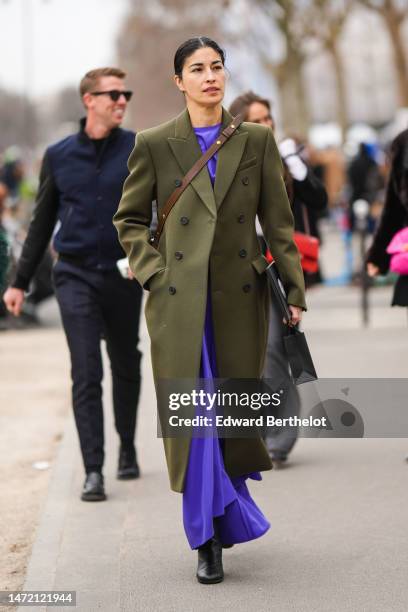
<point x="209" y="493"/>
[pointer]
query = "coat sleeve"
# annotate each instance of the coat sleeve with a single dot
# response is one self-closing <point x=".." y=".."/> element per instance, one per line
<point x="276" y="219"/>
<point x="134" y="215"/>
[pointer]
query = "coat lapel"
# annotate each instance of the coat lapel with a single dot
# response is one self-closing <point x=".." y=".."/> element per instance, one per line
<point x="229" y="157"/>
<point x="187" y="151"/>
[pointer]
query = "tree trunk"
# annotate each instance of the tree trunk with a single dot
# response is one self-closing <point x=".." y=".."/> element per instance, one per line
<point x="293" y="104"/>
<point x="400" y="59"/>
<point x="303" y="121"/>
<point x="342" y="106"/>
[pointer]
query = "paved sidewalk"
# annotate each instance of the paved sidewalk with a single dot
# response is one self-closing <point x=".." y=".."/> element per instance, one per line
<point x="338" y="513"/>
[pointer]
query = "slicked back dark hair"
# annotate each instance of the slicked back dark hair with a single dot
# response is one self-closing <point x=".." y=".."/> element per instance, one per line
<point x="190" y="46"/>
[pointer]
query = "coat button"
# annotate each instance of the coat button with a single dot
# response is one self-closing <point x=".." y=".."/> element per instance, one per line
<point x="242" y="253"/>
<point x="178" y="183"/>
<point x="241" y="218"/>
<point x="245" y="180"/>
<point x="184" y="220"/>
<point x="178" y="255"/>
<point x="172" y="290"/>
<point x="246" y="288"/>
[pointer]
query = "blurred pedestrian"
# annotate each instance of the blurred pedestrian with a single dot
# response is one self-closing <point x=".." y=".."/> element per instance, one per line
<point x="365" y="180"/>
<point x="19" y="211"/>
<point x="303" y="187"/>
<point x="12" y="171"/>
<point x="304" y="190"/>
<point x="207" y="311"/>
<point x="394" y="218"/>
<point x="4" y="257"/>
<point x="80" y="187"/>
<point x="3" y="261"/>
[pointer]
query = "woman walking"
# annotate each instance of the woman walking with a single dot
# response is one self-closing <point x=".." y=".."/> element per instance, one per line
<point x="394" y="218"/>
<point x="207" y="310"/>
<point x="306" y="193"/>
<point x="308" y="198"/>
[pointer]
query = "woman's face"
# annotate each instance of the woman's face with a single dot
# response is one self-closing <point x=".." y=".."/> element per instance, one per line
<point x="259" y="113"/>
<point x="203" y="78"/>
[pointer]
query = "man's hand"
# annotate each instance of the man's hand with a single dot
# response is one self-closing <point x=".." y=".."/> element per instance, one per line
<point x="14" y="299"/>
<point x="296" y="313"/>
<point x="372" y="270"/>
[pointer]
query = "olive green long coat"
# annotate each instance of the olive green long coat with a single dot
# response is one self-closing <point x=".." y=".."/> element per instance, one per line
<point x="208" y="230"/>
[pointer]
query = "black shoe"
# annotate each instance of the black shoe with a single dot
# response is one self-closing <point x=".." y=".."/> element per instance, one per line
<point x="93" y="489"/>
<point x="210" y="570"/>
<point x="128" y="467"/>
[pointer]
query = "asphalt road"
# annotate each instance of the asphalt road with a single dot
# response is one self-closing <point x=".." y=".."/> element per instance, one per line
<point x="338" y="512"/>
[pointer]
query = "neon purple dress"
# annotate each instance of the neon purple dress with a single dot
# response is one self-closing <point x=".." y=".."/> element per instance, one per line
<point x="209" y="493"/>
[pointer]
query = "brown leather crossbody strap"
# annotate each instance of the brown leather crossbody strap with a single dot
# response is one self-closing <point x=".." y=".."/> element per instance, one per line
<point x="200" y="163"/>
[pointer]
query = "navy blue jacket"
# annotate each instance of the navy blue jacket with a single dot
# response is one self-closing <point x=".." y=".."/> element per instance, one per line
<point x="80" y="189"/>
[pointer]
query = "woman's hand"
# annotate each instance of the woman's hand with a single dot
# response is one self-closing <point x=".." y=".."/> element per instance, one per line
<point x="296" y="317"/>
<point x="372" y="269"/>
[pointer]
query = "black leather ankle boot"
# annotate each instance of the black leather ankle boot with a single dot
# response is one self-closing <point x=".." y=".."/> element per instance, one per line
<point x="128" y="467"/>
<point x="210" y="570"/>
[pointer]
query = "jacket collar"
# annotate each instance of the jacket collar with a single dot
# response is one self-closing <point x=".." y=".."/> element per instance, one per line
<point x="83" y="136"/>
<point x="187" y="151"/>
<point x="229" y="157"/>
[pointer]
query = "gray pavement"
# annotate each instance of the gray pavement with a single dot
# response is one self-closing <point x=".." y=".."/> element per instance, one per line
<point x="338" y="539"/>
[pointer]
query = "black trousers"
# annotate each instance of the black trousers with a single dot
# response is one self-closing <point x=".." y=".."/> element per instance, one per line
<point x="96" y="305"/>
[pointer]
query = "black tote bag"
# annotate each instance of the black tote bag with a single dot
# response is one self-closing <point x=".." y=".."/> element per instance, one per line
<point x="297" y="350"/>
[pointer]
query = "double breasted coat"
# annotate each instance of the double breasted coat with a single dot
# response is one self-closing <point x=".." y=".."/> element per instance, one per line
<point x="210" y="233"/>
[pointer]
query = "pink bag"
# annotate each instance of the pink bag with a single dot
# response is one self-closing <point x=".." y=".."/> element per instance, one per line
<point x="398" y="248"/>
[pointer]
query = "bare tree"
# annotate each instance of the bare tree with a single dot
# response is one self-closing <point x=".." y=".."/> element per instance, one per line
<point x="68" y="106"/>
<point x="282" y="16"/>
<point x="394" y="13"/>
<point x="18" y="120"/>
<point x="146" y="45"/>
<point x="323" y="21"/>
<point x="299" y="22"/>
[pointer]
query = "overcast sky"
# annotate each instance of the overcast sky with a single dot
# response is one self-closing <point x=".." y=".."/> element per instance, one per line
<point x="68" y="37"/>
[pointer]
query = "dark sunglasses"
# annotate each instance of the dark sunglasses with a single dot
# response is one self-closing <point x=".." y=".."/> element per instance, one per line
<point x="114" y="94"/>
